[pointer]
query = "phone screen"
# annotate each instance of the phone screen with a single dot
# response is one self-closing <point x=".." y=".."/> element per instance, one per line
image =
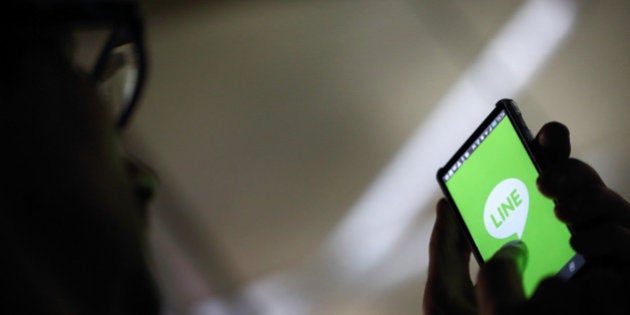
<point x="493" y="186"/>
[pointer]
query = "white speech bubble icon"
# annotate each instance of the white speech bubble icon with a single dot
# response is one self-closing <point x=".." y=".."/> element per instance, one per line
<point x="505" y="213"/>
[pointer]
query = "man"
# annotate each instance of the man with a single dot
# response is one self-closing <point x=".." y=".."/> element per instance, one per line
<point x="74" y="205"/>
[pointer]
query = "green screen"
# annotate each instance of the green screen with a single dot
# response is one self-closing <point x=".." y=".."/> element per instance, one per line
<point x="495" y="191"/>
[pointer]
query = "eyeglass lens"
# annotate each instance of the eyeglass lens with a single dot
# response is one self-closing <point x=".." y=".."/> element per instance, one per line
<point x="117" y="83"/>
<point x="119" y="72"/>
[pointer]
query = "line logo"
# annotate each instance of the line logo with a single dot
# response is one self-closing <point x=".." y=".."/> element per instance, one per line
<point x="505" y="212"/>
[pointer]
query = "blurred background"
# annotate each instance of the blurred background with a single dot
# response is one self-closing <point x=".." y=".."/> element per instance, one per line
<point x="297" y="141"/>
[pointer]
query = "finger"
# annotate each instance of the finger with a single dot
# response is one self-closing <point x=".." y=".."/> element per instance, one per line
<point x="567" y="178"/>
<point x="500" y="284"/>
<point x="449" y="289"/>
<point x="552" y="143"/>
<point x="581" y="195"/>
<point x="447" y="245"/>
<point x="591" y="206"/>
<point x="603" y="240"/>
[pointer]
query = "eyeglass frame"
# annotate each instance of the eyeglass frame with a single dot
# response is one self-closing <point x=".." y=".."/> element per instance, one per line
<point x="127" y="27"/>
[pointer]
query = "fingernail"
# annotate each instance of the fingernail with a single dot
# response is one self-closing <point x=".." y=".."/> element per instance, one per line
<point x="516" y="251"/>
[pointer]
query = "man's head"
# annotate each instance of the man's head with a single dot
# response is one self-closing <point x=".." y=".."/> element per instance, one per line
<point x="73" y="211"/>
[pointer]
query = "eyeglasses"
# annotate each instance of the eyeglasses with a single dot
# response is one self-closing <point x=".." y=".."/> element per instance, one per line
<point x="119" y="70"/>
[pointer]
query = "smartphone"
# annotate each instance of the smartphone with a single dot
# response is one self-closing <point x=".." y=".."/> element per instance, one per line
<point x="491" y="185"/>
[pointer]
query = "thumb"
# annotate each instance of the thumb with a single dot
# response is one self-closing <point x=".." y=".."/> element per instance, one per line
<point x="500" y="285"/>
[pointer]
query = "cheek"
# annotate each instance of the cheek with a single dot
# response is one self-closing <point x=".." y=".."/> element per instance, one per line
<point x="102" y="159"/>
<point x="105" y="179"/>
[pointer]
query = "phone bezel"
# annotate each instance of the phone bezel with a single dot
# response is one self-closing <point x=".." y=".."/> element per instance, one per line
<point x="514" y="115"/>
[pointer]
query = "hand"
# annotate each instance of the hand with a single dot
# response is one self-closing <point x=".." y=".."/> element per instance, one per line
<point x="600" y="220"/>
<point x="600" y="223"/>
<point x="449" y="289"/>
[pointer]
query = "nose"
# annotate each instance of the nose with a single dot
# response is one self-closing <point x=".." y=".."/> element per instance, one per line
<point x="144" y="182"/>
